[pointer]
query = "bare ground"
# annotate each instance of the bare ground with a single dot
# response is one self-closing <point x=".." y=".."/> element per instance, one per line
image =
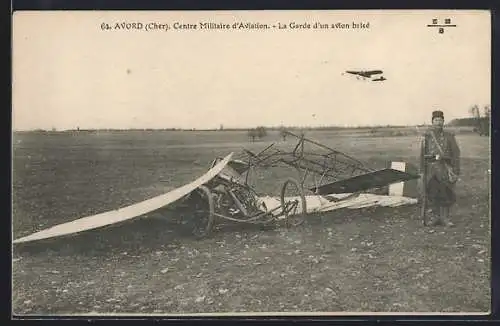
<point x="374" y="259"/>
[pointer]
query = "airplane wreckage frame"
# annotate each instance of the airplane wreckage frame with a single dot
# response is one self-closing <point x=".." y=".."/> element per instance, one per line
<point x="331" y="177"/>
<point x="327" y="179"/>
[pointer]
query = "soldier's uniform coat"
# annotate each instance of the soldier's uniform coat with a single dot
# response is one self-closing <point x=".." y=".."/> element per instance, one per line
<point x="440" y="192"/>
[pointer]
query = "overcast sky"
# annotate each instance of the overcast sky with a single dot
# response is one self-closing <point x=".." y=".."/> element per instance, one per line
<point x="67" y="72"/>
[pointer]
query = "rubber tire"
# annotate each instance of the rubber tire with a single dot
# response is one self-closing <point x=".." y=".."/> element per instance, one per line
<point x="211" y="214"/>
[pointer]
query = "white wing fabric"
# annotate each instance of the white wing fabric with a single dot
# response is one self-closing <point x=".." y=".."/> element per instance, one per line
<point x="125" y="213"/>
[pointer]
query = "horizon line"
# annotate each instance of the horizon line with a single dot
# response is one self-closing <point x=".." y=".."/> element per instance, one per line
<point x="275" y="128"/>
<point x="222" y="127"/>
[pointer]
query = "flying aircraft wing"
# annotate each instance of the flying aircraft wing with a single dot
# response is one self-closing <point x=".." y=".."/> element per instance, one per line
<point x="366" y="74"/>
<point x="354" y="72"/>
<point x="373" y="72"/>
<point x="126" y="213"/>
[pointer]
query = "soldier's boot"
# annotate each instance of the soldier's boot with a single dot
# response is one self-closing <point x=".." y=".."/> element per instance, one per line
<point x="446" y="217"/>
<point x="437" y="218"/>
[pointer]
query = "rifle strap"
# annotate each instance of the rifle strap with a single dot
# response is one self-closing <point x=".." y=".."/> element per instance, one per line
<point x="437" y="143"/>
<point x="441" y="151"/>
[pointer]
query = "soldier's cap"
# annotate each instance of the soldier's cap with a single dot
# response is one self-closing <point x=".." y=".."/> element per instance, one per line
<point x="437" y="114"/>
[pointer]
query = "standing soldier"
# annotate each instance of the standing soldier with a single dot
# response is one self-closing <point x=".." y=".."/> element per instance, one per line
<point x="440" y="168"/>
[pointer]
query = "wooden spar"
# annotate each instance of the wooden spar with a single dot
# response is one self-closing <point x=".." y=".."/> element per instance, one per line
<point x="303" y="139"/>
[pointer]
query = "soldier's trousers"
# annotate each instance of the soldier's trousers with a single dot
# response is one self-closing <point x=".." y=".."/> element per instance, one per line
<point x="441" y="196"/>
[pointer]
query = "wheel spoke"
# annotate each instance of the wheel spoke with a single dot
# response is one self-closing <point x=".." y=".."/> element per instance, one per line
<point x="294" y="210"/>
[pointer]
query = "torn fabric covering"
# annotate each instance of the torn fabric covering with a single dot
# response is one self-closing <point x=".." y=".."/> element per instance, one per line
<point x="316" y="204"/>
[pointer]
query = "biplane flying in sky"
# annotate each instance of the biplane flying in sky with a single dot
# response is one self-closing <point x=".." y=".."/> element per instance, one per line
<point x="326" y="179"/>
<point x="367" y="74"/>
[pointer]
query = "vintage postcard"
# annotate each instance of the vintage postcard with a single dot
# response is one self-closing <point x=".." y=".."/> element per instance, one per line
<point x="251" y="162"/>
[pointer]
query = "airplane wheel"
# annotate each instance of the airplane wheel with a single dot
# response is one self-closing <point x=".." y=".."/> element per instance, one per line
<point x="293" y="203"/>
<point x="203" y="214"/>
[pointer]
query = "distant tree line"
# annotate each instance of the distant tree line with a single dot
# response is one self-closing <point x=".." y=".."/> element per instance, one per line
<point x="479" y="121"/>
<point x="258" y="132"/>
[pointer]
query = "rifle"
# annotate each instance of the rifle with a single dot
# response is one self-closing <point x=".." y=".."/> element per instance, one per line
<point x="423" y="190"/>
<point x="423" y="204"/>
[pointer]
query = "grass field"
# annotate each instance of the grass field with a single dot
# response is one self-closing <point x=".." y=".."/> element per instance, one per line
<point x="374" y="259"/>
